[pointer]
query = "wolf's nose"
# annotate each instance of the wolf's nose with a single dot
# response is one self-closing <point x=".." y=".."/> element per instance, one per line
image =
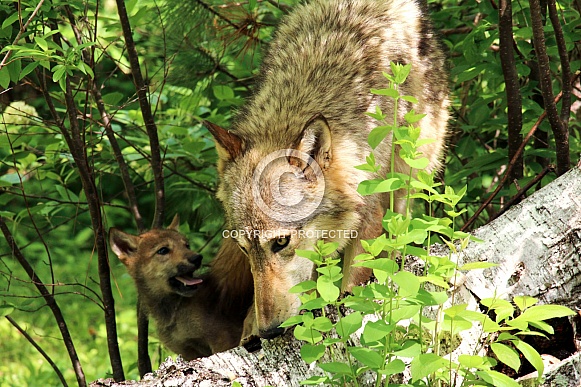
<point x="271" y="333"/>
<point x="195" y="259"/>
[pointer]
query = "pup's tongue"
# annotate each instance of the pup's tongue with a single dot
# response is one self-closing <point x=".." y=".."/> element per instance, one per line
<point x="189" y="281"/>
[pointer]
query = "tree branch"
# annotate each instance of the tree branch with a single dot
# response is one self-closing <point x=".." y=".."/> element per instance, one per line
<point x="30" y="339"/>
<point x="512" y="88"/>
<point x="150" y="126"/>
<point x="50" y="302"/>
<point x="559" y="131"/>
<point x="565" y="67"/>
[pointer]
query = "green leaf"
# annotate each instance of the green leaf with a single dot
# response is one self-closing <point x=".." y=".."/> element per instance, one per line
<point x="376" y="330"/>
<point x="311" y="353"/>
<point x="369" y="187"/>
<point x="309" y="254"/>
<point x="386" y="265"/>
<point x="311" y="336"/>
<point x="393" y="367"/>
<point x="367" y="357"/>
<point x="408" y="283"/>
<point x="336" y="368"/>
<point x="543" y="326"/>
<point x="507" y="355"/>
<point x="544" y="312"/>
<point x="322" y="324"/>
<point x="400" y="72"/>
<point x="419" y="163"/>
<point x="223" y="92"/>
<point x="302" y="287"/>
<point x="314" y="380"/>
<point x="497" y="379"/>
<point x="524" y="302"/>
<point x="502" y="308"/>
<point x="58" y="72"/>
<point x="477" y="265"/>
<point x="4" y="78"/>
<point x="377" y="135"/>
<point x="28" y="69"/>
<point x="349" y="324"/>
<point x="333" y="272"/>
<point x="392" y="93"/>
<point x="327" y="289"/>
<point x="41" y="43"/>
<point x="6" y="309"/>
<point x="412" y="99"/>
<point x="12" y="18"/>
<point x="410" y="348"/>
<point x="293" y="320"/>
<point x="317" y="303"/>
<point x="327" y="248"/>
<point x="478" y="362"/>
<point x="531" y="355"/>
<point x="426" y="364"/>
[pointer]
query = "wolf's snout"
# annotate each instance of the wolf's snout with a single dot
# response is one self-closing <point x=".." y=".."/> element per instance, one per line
<point x="271" y="333"/>
<point x="195" y="259"/>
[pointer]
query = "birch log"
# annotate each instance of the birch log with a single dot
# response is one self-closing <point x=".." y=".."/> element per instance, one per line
<point x="537" y="245"/>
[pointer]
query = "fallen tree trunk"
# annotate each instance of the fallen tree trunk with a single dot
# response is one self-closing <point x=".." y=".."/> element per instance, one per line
<point x="536" y="244"/>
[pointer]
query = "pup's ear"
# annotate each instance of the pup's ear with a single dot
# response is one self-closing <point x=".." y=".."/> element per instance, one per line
<point x="315" y="140"/>
<point x="175" y="223"/>
<point x="122" y="244"/>
<point x="228" y="145"/>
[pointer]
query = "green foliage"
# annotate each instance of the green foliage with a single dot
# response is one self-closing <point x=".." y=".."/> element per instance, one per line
<point x="480" y="102"/>
<point x="200" y="60"/>
<point x="410" y="315"/>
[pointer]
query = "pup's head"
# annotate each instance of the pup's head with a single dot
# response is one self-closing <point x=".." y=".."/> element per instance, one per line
<point x="159" y="260"/>
<point x="281" y="193"/>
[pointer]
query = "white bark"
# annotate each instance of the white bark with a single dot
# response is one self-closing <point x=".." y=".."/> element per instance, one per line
<point x="537" y="245"/>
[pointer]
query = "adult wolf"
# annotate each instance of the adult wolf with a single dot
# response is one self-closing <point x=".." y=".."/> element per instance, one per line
<point x="287" y="175"/>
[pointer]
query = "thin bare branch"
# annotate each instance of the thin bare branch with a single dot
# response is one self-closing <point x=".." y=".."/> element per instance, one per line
<point x="512" y="87"/>
<point x="50" y="301"/>
<point x="559" y="131"/>
<point x="31" y="340"/>
<point x="565" y="67"/>
<point x="148" y="118"/>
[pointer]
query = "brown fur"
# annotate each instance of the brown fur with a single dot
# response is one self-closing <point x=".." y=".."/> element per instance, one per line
<point x="312" y="97"/>
<point x="193" y="321"/>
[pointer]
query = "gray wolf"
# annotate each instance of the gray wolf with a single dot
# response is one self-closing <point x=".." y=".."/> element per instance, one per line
<point x="286" y="166"/>
<point x="195" y="315"/>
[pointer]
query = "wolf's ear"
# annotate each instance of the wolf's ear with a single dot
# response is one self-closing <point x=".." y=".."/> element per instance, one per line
<point x="122" y="244"/>
<point x="175" y="223"/>
<point x="315" y="141"/>
<point x="228" y="145"/>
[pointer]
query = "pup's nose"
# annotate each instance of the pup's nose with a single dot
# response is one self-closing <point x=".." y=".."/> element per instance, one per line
<point x="271" y="333"/>
<point x="195" y="259"/>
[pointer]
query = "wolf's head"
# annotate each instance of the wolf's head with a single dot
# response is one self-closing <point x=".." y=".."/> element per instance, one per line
<point x="160" y="261"/>
<point x="281" y="194"/>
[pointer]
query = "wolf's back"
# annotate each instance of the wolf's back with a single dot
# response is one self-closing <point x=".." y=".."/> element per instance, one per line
<point x="325" y="58"/>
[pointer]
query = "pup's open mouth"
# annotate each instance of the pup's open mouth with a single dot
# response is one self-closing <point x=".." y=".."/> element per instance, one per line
<point x="185" y="283"/>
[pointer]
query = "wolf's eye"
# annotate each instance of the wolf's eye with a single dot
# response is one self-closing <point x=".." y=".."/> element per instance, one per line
<point x="280" y="243"/>
<point x="163" y="251"/>
<point x="188" y="245"/>
<point x="243" y="249"/>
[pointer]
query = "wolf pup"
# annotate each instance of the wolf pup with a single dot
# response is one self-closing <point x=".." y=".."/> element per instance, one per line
<point x="195" y="316"/>
<point x="287" y="175"/>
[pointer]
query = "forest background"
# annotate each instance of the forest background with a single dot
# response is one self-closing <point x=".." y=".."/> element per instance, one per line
<point x="102" y="103"/>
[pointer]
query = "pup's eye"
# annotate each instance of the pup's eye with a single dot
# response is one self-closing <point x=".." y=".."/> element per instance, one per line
<point x="280" y="243"/>
<point x="187" y="245"/>
<point x="163" y="251"/>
